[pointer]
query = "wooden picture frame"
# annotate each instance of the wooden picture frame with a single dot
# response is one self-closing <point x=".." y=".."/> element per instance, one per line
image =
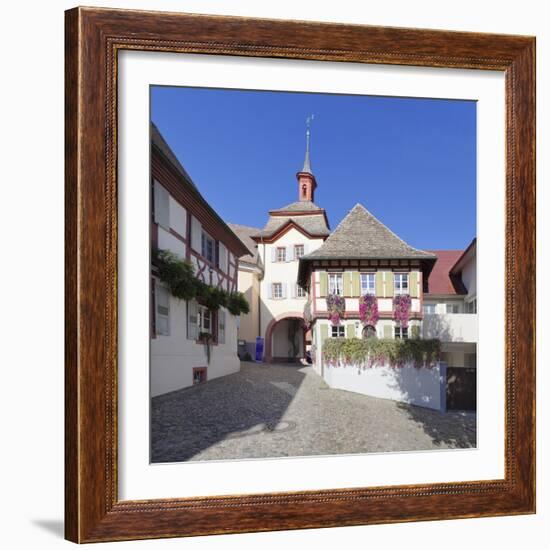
<point x="94" y="37"/>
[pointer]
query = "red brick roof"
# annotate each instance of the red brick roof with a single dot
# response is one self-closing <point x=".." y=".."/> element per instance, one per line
<point x="440" y="281"/>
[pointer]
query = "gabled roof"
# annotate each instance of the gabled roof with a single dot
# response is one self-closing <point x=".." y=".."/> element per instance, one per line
<point x="361" y="236"/>
<point x="245" y="233"/>
<point x="441" y="280"/>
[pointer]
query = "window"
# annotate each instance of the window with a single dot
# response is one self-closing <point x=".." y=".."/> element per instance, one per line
<point x="277" y="290"/>
<point x="338" y="331"/>
<point x="401" y="283"/>
<point x="300" y="292"/>
<point x="367" y="283"/>
<point x="208" y="247"/>
<point x="298" y="251"/>
<point x="161" y="205"/>
<point x="471" y="307"/>
<point x="162" y="313"/>
<point x="401" y="332"/>
<point x="335" y="284"/>
<point x="452" y="308"/>
<point x="204" y="319"/>
<point x="281" y="254"/>
<point x="429" y="309"/>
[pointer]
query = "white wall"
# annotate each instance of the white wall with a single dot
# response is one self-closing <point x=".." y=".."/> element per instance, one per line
<point x="38" y="522"/>
<point x="285" y="272"/>
<point x="452" y="327"/>
<point x="173" y="357"/>
<point x="407" y="384"/>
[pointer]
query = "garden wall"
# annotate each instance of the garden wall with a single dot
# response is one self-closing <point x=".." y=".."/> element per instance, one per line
<point x="424" y="387"/>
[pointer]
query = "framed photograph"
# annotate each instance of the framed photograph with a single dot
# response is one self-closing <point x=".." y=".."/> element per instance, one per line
<point x="300" y="275"/>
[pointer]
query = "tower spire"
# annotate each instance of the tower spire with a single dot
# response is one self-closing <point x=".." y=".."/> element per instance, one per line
<point x="307" y="163"/>
<point x="306" y="179"/>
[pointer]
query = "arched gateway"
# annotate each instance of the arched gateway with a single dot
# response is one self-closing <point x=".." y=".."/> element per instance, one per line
<point x="285" y="339"/>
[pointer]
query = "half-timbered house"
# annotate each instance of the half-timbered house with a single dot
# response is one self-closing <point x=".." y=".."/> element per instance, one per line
<point x="183" y="223"/>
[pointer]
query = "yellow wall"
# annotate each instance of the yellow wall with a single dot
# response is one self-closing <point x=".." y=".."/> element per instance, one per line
<point x="249" y="285"/>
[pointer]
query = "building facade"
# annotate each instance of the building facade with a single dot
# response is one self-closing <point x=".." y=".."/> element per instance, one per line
<point x="183" y="223"/>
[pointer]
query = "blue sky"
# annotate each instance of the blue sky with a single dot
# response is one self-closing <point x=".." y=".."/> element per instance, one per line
<point x="411" y="162"/>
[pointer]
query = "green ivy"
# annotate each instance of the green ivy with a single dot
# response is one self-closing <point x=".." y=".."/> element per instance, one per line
<point x="372" y="351"/>
<point x="179" y="276"/>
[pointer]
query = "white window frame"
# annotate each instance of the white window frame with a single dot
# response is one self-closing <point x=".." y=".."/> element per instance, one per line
<point x="398" y="287"/>
<point x="205" y="239"/>
<point x="300" y="292"/>
<point x="452" y="306"/>
<point x="471" y="306"/>
<point x="366" y="286"/>
<point x="431" y="306"/>
<point x="280" y="254"/>
<point x="299" y="247"/>
<point x="277" y="295"/>
<point x="335" y="331"/>
<point x="204" y="313"/>
<point x="336" y="284"/>
<point x="401" y="333"/>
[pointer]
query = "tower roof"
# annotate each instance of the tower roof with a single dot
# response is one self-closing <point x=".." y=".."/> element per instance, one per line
<point x="307" y="162"/>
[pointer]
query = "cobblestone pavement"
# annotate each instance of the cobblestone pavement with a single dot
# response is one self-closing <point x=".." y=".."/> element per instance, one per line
<point x="278" y="410"/>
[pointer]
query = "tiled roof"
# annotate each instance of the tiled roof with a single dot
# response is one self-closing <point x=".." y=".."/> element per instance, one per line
<point x="361" y="236"/>
<point x="315" y="225"/>
<point x="244" y="233"/>
<point x="440" y="280"/>
<point x="299" y="206"/>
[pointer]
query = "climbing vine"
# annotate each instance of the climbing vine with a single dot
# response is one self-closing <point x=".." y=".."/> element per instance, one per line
<point x="179" y="276"/>
<point x="402" y="309"/>
<point x="377" y="352"/>
<point x="368" y="309"/>
<point x="336" y="306"/>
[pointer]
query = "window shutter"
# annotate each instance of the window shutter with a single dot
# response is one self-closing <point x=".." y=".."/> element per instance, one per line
<point x="305" y="248"/>
<point x="293" y="291"/>
<point x="196" y="235"/>
<point x="192" y="314"/>
<point x="162" y="205"/>
<point x="273" y="253"/>
<point x="221" y="326"/>
<point x="350" y="330"/>
<point x="413" y="284"/>
<point x="347" y="283"/>
<point x="162" y="320"/>
<point x="270" y="290"/>
<point x="289" y="253"/>
<point x="283" y="290"/>
<point x="389" y="284"/>
<point x="379" y="284"/>
<point x="324" y="283"/>
<point x="388" y="331"/>
<point x="355" y="283"/>
<point x="415" y="331"/>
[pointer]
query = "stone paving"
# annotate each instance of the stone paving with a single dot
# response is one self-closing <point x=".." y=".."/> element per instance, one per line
<point x="278" y="410"/>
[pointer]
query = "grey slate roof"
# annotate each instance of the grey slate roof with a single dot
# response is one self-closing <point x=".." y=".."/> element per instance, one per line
<point x="299" y="206"/>
<point x="315" y="224"/>
<point x="361" y="236"/>
<point x="244" y="233"/>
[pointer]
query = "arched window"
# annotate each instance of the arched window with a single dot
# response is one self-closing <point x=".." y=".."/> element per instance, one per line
<point x="304" y="190"/>
<point x="369" y="332"/>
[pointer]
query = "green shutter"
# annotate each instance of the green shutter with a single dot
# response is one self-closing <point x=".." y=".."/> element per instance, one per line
<point x="413" y="284"/>
<point x="388" y="284"/>
<point x="355" y="284"/>
<point x="388" y="332"/>
<point x="350" y="331"/>
<point x="415" y="331"/>
<point x="347" y="283"/>
<point x="379" y="284"/>
<point x="324" y="283"/>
